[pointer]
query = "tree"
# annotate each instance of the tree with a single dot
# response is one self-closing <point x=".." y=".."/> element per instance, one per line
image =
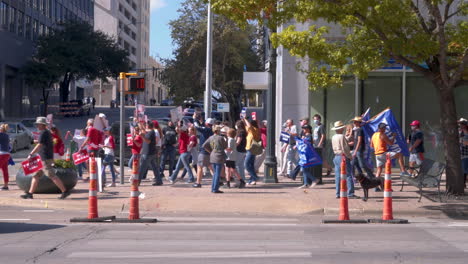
<point x="232" y="49"/>
<point x="76" y="51"/>
<point x="429" y="36"/>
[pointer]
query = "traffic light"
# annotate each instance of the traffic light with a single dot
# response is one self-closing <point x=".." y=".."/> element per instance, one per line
<point x="137" y="84"/>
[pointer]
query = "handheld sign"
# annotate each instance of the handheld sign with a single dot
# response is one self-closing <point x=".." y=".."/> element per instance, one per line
<point x="254" y="115"/>
<point x="32" y="165"/>
<point x="284" y="137"/>
<point x="80" y="157"/>
<point x="129" y="140"/>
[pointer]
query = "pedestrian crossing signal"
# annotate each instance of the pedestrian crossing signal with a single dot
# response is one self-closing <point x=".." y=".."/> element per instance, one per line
<point x="137" y="84"/>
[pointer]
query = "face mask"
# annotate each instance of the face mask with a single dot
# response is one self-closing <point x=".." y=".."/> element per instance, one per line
<point x="237" y="127"/>
<point x="317" y="122"/>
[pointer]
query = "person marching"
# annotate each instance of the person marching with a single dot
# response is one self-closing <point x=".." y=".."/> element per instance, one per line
<point x="136" y="146"/>
<point x="184" y="155"/>
<point x="148" y="153"/>
<point x="359" y="141"/>
<point x="4" y="154"/>
<point x="253" y="133"/>
<point x="232" y="153"/>
<point x="59" y="147"/>
<point x="203" y="159"/>
<point x="108" y="160"/>
<point x="45" y="148"/>
<point x="216" y="146"/>
<point x="416" y="143"/>
<point x="309" y="179"/>
<point x="340" y="148"/>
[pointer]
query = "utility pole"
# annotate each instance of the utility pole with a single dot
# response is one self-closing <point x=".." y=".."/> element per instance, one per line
<point x="271" y="164"/>
<point x="209" y="68"/>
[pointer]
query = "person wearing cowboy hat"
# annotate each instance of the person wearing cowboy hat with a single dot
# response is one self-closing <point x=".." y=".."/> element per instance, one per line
<point x="340" y="147"/>
<point x="358" y="160"/>
<point x="416" y="143"/>
<point x="45" y="148"/>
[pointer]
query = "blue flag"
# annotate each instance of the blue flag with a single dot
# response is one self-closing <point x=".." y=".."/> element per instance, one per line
<point x="388" y="118"/>
<point x="308" y="157"/>
<point x="367" y="137"/>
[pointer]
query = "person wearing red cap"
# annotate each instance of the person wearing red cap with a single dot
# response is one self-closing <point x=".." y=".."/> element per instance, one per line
<point x="416" y="145"/>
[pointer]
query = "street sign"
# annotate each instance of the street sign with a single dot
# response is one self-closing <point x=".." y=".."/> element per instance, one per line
<point x="256" y="80"/>
<point x="223" y="107"/>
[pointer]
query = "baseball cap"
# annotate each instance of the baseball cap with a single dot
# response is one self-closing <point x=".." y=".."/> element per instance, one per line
<point x="382" y="125"/>
<point x="102" y="115"/>
<point x="307" y="127"/>
<point x="415" y="123"/>
<point x="210" y="121"/>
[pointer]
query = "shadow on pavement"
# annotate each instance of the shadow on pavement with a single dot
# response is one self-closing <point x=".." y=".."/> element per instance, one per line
<point x="6" y="228"/>
<point x="454" y="211"/>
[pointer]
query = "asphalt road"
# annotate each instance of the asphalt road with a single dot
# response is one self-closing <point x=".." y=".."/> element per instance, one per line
<point x="46" y="236"/>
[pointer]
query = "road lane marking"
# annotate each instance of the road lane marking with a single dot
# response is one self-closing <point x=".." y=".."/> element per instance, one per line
<point x="225" y="224"/>
<point x="38" y="211"/>
<point x="15" y="220"/>
<point x="458" y="225"/>
<point x="189" y="255"/>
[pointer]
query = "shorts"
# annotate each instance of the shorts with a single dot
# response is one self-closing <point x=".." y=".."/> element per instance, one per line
<point x="382" y="158"/>
<point x="230" y="164"/>
<point x="49" y="170"/>
<point x="203" y="160"/>
<point x="416" y="157"/>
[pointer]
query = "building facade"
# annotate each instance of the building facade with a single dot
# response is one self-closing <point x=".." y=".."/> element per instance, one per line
<point x="408" y="94"/>
<point x="21" y="23"/>
<point x="156" y="91"/>
<point x="128" y="21"/>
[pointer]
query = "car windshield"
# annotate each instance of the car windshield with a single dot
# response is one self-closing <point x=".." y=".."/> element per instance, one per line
<point x="28" y="123"/>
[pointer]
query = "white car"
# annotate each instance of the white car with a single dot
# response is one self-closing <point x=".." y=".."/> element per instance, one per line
<point x="19" y="136"/>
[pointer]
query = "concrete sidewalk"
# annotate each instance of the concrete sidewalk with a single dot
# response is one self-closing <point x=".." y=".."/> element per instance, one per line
<point x="262" y="199"/>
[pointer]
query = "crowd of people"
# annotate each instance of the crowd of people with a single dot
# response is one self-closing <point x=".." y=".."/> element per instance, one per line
<point x="349" y="142"/>
<point x="226" y="151"/>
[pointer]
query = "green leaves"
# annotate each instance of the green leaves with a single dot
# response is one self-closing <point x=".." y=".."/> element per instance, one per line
<point x="373" y="32"/>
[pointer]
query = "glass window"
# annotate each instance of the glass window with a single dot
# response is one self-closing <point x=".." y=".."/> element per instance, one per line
<point x="12" y="20"/>
<point x="27" y="28"/>
<point x="41" y="29"/>
<point x="20" y="23"/>
<point x="383" y="90"/>
<point x="4" y="15"/>
<point x="35" y="29"/>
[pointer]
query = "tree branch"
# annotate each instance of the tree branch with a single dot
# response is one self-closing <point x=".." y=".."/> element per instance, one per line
<point x="435" y="12"/>
<point x="420" y="17"/>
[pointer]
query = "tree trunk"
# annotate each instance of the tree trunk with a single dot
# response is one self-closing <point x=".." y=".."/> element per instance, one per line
<point x="64" y="86"/>
<point x="448" y="121"/>
<point x="45" y="97"/>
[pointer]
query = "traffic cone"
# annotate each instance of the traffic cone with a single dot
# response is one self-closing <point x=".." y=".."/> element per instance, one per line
<point x="387" y="206"/>
<point x="67" y="155"/>
<point x="344" y="213"/>
<point x="134" y="211"/>
<point x="92" y="201"/>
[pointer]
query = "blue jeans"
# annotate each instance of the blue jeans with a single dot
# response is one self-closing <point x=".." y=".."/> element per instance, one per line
<point x="130" y="162"/>
<point x="308" y="174"/>
<point x="240" y="164"/>
<point x="250" y="166"/>
<point x="80" y="168"/>
<point x="360" y="163"/>
<point x="349" y="178"/>
<point x="108" y="161"/>
<point x="169" y="152"/>
<point x="145" y="162"/>
<point x="184" y="161"/>
<point x="217" y="173"/>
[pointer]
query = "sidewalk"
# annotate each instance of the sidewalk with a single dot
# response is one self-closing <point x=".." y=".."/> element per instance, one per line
<point x="282" y="198"/>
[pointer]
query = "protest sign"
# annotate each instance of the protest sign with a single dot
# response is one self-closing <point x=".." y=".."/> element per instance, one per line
<point x="80" y="157"/>
<point x="32" y="165"/>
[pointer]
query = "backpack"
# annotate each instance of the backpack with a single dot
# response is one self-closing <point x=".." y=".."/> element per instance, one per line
<point x="256" y="147"/>
<point x="170" y="138"/>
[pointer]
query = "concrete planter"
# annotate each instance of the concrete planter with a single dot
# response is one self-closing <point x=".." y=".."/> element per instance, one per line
<point x="68" y="176"/>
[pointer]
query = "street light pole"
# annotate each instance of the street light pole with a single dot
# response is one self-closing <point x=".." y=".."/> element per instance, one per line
<point x="209" y="54"/>
<point x="270" y="159"/>
<point x="122" y="78"/>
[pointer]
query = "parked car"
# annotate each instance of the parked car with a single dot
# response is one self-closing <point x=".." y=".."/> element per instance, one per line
<point x="29" y="123"/>
<point x="19" y="136"/>
<point x="167" y="102"/>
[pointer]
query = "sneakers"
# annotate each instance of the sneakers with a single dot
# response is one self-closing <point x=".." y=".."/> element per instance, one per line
<point x="305" y="186"/>
<point x="218" y="191"/>
<point x="196" y="185"/>
<point x="227" y="185"/>
<point x="353" y="197"/>
<point x="172" y="182"/>
<point x="27" y="196"/>
<point x="314" y="183"/>
<point x="252" y="183"/>
<point x="157" y="183"/>
<point x="64" y="195"/>
<point x="111" y="185"/>
<point x="405" y="173"/>
<point x="5" y="188"/>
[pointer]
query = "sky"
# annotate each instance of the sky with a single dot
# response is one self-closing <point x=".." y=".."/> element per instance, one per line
<point x="162" y="11"/>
